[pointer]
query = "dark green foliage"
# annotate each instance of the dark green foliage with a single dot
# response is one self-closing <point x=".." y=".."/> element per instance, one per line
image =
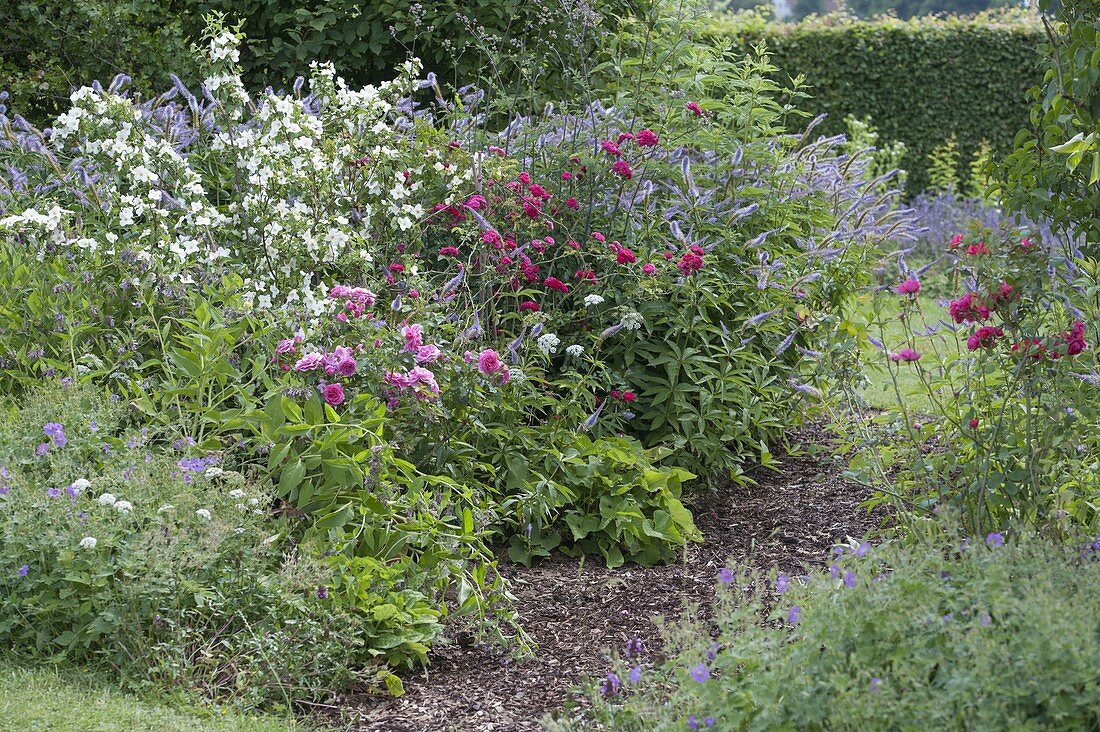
<point x="514" y="45"/>
<point x="49" y="46"/>
<point x="1054" y="172"/>
<point x="918" y="82"/>
<point x="910" y="8"/>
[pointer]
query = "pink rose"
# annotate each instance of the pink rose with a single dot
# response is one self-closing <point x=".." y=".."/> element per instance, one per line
<point x="309" y="362"/>
<point x="334" y="394"/>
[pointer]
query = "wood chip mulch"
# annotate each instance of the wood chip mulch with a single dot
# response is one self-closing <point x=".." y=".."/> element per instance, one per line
<point x="577" y="611"/>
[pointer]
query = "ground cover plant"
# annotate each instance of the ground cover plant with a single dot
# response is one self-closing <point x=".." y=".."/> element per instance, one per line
<point x="950" y="633"/>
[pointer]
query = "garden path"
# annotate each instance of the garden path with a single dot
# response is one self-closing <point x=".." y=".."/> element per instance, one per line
<point x="577" y="611"/>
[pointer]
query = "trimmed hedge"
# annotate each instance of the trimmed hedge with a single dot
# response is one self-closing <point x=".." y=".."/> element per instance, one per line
<point x="920" y="80"/>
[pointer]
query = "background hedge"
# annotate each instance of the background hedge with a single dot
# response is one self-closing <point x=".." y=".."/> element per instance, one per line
<point x="919" y="80"/>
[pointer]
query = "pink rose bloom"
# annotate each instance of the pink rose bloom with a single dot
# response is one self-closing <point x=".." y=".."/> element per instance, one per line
<point x="414" y="337"/>
<point x="346" y="367"/>
<point x="649" y="268"/>
<point x="909" y="287"/>
<point x="401" y="381"/>
<point x="428" y="354"/>
<point x="310" y="362"/>
<point x="425" y="377"/>
<point x="488" y="362"/>
<point x="285" y="346"/>
<point x="334" y="395"/>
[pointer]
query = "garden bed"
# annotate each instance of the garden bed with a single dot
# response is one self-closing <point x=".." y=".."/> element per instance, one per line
<point x="576" y="611"/>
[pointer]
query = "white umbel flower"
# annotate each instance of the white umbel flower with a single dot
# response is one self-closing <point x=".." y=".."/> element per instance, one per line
<point x="88" y="542"/>
<point x="548" y="343"/>
<point x="576" y="350"/>
<point x="203" y="513"/>
<point x="107" y="499"/>
<point x="124" y="506"/>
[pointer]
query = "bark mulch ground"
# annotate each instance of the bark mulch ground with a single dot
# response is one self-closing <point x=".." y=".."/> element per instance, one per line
<point x="576" y="611"/>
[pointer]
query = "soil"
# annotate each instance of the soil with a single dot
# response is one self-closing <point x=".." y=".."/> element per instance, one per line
<point x="577" y="611"/>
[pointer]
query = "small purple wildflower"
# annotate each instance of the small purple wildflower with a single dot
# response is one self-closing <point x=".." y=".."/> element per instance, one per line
<point x="42" y="449"/>
<point x="634" y="647"/>
<point x="56" y="432"/>
<point x="862" y="549"/>
<point x="693" y="722"/>
<point x="712" y="652"/>
<point x="984" y="620"/>
<point x="793" y="615"/>
<point x="24" y="570"/>
<point x="322" y="592"/>
<point x="876" y="682"/>
<point x="700" y="673"/>
<point x="781" y="584"/>
<point x="834" y="571"/>
<point x="610" y="686"/>
<point x="995" y="540"/>
<point x="53" y="492"/>
<point x="635" y="674"/>
<point x="709" y="721"/>
<point x="850" y="579"/>
<point x="726" y="576"/>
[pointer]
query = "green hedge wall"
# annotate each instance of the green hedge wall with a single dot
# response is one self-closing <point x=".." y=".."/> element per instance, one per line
<point x="920" y="81"/>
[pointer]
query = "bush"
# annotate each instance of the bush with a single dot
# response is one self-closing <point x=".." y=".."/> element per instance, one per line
<point x="919" y="81"/>
<point x="511" y="46"/>
<point x="160" y="565"/>
<point x="50" y="47"/>
<point x="980" y="634"/>
<point x="422" y="335"/>
<point x="1053" y="171"/>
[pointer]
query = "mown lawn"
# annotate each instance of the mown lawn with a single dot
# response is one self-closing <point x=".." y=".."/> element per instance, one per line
<point x="45" y="699"/>
<point x="888" y="380"/>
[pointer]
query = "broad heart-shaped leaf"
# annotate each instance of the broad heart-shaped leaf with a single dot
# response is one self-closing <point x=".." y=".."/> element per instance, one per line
<point x="582" y="525"/>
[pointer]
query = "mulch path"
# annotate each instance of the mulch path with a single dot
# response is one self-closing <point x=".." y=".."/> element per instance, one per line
<point x="577" y="611"/>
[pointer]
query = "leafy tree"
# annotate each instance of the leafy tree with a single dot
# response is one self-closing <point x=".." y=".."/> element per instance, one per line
<point x="1054" y="172"/>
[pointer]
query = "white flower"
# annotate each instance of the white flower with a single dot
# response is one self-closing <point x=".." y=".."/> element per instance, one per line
<point x="107" y="499"/>
<point x="203" y="514"/>
<point x="593" y="299"/>
<point x="166" y="508"/>
<point x="213" y="471"/>
<point x="632" y="321"/>
<point x="124" y="507"/>
<point x="253" y="501"/>
<point x="575" y="350"/>
<point x="236" y="493"/>
<point x="80" y="485"/>
<point x="238" y="530"/>
<point x="88" y="542"/>
<point x="548" y="343"/>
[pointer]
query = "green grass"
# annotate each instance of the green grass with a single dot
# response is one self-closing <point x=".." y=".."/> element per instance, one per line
<point x="45" y="699"/>
<point x="880" y="392"/>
